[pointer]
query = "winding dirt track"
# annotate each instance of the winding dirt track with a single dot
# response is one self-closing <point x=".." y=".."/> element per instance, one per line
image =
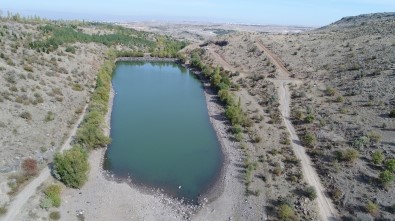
<point x="326" y="208"/>
<point x="29" y="190"/>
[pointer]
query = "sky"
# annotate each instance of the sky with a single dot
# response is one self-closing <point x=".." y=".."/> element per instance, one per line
<point x="266" y="12"/>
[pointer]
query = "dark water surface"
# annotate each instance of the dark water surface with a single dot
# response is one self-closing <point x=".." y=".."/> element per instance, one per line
<point x="160" y="130"/>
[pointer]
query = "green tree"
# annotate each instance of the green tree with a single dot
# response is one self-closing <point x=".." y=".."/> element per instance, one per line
<point x="71" y="167"/>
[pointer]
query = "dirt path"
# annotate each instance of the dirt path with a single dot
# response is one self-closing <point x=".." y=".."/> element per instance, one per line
<point x="29" y="190"/>
<point x="326" y="208"/>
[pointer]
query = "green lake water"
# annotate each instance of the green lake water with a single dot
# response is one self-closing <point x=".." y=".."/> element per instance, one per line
<point x="160" y="130"/>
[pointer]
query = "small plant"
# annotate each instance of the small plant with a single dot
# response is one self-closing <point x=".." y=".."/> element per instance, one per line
<point x="392" y="113"/>
<point x="340" y="99"/>
<point x="311" y="193"/>
<point x="386" y="178"/>
<point x="377" y="157"/>
<point x="309" y="139"/>
<point x="372" y="208"/>
<point x="374" y="136"/>
<point x="30" y="167"/>
<point x="3" y="210"/>
<point x="55" y="215"/>
<point x="330" y="91"/>
<point x="26" y="115"/>
<point x="390" y="165"/>
<point x="309" y="118"/>
<point x="52" y="192"/>
<point x="50" y="116"/>
<point x="77" y="87"/>
<point x="285" y="212"/>
<point x="70" y="49"/>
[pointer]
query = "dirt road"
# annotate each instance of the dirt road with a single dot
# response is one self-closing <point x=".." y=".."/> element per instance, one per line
<point x="23" y="196"/>
<point x="326" y="208"/>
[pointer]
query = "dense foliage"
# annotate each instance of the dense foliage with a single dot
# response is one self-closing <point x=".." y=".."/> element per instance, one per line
<point x="71" y="167"/>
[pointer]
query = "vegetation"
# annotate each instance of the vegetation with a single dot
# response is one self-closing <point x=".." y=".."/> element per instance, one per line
<point x="386" y="178"/>
<point x="52" y="196"/>
<point x="372" y="208"/>
<point x="54" y="215"/>
<point x="30" y="167"/>
<point x="311" y="193"/>
<point x="377" y="157"/>
<point x="26" y="115"/>
<point x="71" y="167"/>
<point x="390" y="165"/>
<point x="285" y="212"/>
<point x="392" y="113"/>
<point x="348" y="155"/>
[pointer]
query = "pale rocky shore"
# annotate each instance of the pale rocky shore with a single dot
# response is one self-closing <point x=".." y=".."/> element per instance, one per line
<point x="102" y="198"/>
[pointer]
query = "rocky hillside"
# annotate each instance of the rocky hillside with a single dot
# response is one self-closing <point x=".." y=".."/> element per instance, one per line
<point x="343" y="108"/>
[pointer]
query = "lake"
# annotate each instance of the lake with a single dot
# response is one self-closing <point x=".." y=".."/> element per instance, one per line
<point x="160" y="130"/>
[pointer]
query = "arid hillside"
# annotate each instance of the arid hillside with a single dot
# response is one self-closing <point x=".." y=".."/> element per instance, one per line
<point x="342" y="105"/>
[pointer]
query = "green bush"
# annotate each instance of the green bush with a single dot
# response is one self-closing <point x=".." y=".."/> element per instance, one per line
<point x="390" y="165"/>
<point x="330" y="91"/>
<point x="309" y="139"/>
<point x="70" y="49"/>
<point x="3" y="210"/>
<point x="50" y="116"/>
<point x="55" y="215"/>
<point x="310" y="118"/>
<point x="377" y="157"/>
<point x="311" y="193"/>
<point x="285" y="212"/>
<point x="386" y="178"/>
<point x="52" y="192"/>
<point x="374" y="136"/>
<point x="71" y="167"/>
<point x="372" y="208"/>
<point x="77" y="87"/>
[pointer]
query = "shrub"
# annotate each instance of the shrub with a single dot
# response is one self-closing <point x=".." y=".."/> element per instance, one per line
<point x="77" y="87"/>
<point x="26" y="115"/>
<point x="349" y="155"/>
<point x="361" y="142"/>
<point x="310" y="118"/>
<point x="372" y="208"/>
<point x="340" y="99"/>
<point x="70" y="49"/>
<point x="377" y="157"/>
<point x="3" y="210"/>
<point x="239" y="137"/>
<point x="237" y="129"/>
<point x="30" y="167"/>
<point x="52" y="192"/>
<point x="55" y="215"/>
<point x="285" y="212"/>
<point x="386" y="178"/>
<point x="50" y="116"/>
<point x="311" y="193"/>
<point x="71" y="167"/>
<point x="390" y="165"/>
<point x="309" y="139"/>
<point x="374" y="136"/>
<point x="392" y="113"/>
<point x="330" y="91"/>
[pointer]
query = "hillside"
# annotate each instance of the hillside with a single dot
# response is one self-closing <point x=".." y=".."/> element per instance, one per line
<point x="342" y="95"/>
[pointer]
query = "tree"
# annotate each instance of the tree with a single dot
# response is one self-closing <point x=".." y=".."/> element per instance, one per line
<point x="309" y="139"/>
<point x="377" y="157"/>
<point x="71" y="167"/>
<point x="30" y="167"/>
